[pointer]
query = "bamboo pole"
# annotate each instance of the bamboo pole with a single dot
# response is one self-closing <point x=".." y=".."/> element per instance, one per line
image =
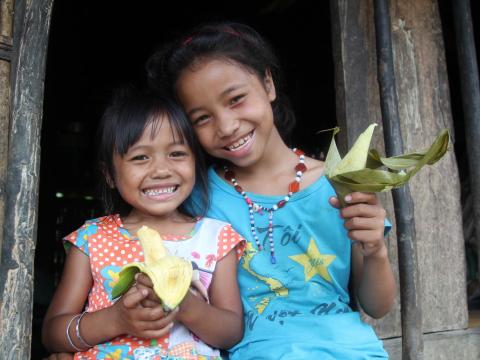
<point x="470" y="89"/>
<point x="412" y="340"/>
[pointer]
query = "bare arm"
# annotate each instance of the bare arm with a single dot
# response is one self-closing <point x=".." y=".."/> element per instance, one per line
<point x="219" y="323"/>
<point x="125" y="317"/>
<point x="373" y="279"/>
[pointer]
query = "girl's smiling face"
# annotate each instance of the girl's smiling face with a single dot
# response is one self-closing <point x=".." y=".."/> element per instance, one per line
<point x="230" y="109"/>
<point x="157" y="173"/>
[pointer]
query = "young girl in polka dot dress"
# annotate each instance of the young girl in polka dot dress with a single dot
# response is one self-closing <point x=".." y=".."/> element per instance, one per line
<point x="150" y="161"/>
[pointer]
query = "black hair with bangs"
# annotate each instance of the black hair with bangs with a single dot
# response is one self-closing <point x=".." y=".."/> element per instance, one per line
<point x="228" y="41"/>
<point x="125" y="119"/>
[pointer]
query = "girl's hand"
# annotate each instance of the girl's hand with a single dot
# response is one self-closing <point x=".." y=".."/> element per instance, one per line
<point x="364" y="220"/>
<point x="143" y="283"/>
<point x="146" y="322"/>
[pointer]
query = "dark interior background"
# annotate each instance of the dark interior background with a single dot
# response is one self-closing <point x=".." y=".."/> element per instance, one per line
<point x="96" y="46"/>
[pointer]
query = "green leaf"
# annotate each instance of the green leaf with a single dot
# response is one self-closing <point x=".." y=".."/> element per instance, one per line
<point x="126" y="278"/>
<point x="356" y="158"/>
<point x="333" y="156"/>
<point x="399" y="169"/>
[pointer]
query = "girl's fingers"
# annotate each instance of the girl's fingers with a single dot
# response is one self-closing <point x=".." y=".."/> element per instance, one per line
<point x="362" y="210"/>
<point x="144" y="280"/>
<point x="149" y="314"/>
<point x="151" y="294"/>
<point x="147" y="303"/>
<point x="364" y="223"/>
<point x="155" y="322"/>
<point x="334" y="202"/>
<point x="157" y="333"/>
<point x="361" y="197"/>
<point x="133" y="298"/>
<point x="366" y="237"/>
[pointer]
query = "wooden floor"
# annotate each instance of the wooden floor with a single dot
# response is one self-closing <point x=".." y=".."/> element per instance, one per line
<point x="473" y="318"/>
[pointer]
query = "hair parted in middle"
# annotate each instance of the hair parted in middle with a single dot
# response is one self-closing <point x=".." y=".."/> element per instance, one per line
<point x="233" y="42"/>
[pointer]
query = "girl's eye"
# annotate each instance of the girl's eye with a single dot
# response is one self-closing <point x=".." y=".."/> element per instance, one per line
<point x="139" y="158"/>
<point x="201" y="120"/>
<point x="235" y="100"/>
<point x="178" y="154"/>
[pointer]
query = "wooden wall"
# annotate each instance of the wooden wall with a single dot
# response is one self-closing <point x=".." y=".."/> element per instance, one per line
<point x="20" y="196"/>
<point x="6" y="42"/>
<point x="424" y="107"/>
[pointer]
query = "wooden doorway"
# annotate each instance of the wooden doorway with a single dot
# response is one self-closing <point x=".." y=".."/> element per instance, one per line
<point x="96" y="46"/>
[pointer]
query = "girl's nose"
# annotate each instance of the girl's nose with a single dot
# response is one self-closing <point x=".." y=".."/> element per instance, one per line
<point x="160" y="170"/>
<point x="227" y="124"/>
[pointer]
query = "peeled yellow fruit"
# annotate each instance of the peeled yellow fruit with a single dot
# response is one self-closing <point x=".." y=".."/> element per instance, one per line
<point x="171" y="275"/>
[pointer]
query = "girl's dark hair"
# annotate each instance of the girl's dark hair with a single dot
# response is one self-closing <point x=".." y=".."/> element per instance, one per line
<point x="126" y="117"/>
<point x="225" y="41"/>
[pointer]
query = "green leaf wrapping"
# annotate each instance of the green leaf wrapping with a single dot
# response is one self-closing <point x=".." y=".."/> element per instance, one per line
<point x="399" y="169"/>
<point x="126" y="278"/>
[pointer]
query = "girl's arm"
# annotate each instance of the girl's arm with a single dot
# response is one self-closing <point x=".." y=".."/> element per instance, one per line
<point x="373" y="279"/>
<point x="220" y="323"/>
<point x="125" y="316"/>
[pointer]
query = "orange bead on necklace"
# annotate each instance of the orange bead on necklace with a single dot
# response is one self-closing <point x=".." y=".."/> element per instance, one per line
<point x="253" y="207"/>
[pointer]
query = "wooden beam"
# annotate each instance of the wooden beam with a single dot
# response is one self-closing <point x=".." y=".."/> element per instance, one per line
<point x="6" y="48"/>
<point x="470" y="89"/>
<point x="20" y="226"/>
<point x="412" y="341"/>
<point x="424" y="109"/>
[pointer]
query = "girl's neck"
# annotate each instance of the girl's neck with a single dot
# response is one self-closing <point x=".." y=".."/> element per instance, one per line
<point x="273" y="169"/>
<point x="174" y="223"/>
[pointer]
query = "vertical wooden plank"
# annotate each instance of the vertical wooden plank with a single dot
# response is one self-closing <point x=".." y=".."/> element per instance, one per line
<point x="6" y="31"/>
<point x="412" y="337"/>
<point x="424" y="107"/>
<point x="18" y="248"/>
<point x="358" y="105"/>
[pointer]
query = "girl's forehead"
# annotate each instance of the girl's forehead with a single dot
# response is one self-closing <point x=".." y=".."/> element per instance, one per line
<point x="160" y="127"/>
<point x="213" y="75"/>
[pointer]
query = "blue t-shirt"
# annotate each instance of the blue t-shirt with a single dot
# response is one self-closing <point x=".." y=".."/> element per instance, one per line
<point x="299" y="307"/>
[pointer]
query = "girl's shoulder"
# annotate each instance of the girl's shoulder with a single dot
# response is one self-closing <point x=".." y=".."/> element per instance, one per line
<point x="315" y="170"/>
<point x="107" y="223"/>
<point x="212" y="223"/>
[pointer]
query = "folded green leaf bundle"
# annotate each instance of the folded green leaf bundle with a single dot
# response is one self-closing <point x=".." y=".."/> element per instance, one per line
<point x="366" y="171"/>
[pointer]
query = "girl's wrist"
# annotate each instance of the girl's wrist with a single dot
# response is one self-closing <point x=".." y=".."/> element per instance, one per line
<point x="114" y="325"/>
<point x="185" y="307"/>
<point x="381" y="254"/>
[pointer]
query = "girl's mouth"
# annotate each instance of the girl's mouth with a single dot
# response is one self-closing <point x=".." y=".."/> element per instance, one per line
<point x="160" y="193"/>
<point x="241" y="143"/>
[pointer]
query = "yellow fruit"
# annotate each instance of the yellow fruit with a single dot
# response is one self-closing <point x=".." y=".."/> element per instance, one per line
<point x="171" y="275"/>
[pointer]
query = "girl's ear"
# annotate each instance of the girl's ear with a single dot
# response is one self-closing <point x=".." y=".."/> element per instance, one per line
<point x="108" y="179"/>
<point x="269" y="85"/>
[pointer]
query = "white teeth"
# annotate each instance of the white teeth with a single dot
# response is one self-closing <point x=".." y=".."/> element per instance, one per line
<point x="156" y="192"/>
<point x="240" y="142"/>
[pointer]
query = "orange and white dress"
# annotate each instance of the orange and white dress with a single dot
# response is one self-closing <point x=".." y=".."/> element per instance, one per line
<point x="110" y="246"/>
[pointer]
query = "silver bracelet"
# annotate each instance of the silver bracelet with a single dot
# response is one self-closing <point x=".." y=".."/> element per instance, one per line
<point x="68" y="334"/>
<point x="77" y="329"/>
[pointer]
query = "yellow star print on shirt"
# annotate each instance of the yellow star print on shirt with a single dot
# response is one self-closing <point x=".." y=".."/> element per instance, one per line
<point x="314" y="262"/>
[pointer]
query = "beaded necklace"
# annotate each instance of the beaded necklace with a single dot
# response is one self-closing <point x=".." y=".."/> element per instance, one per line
<point x="253" y="207"/>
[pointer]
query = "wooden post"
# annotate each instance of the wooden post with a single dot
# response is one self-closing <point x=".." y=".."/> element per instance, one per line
<point x="19" y="231"/>
<point x="412" y="341"/>
<point x="424" y="109"/>
<point x="470" y="88"/>
<point x="6" y="34"/>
